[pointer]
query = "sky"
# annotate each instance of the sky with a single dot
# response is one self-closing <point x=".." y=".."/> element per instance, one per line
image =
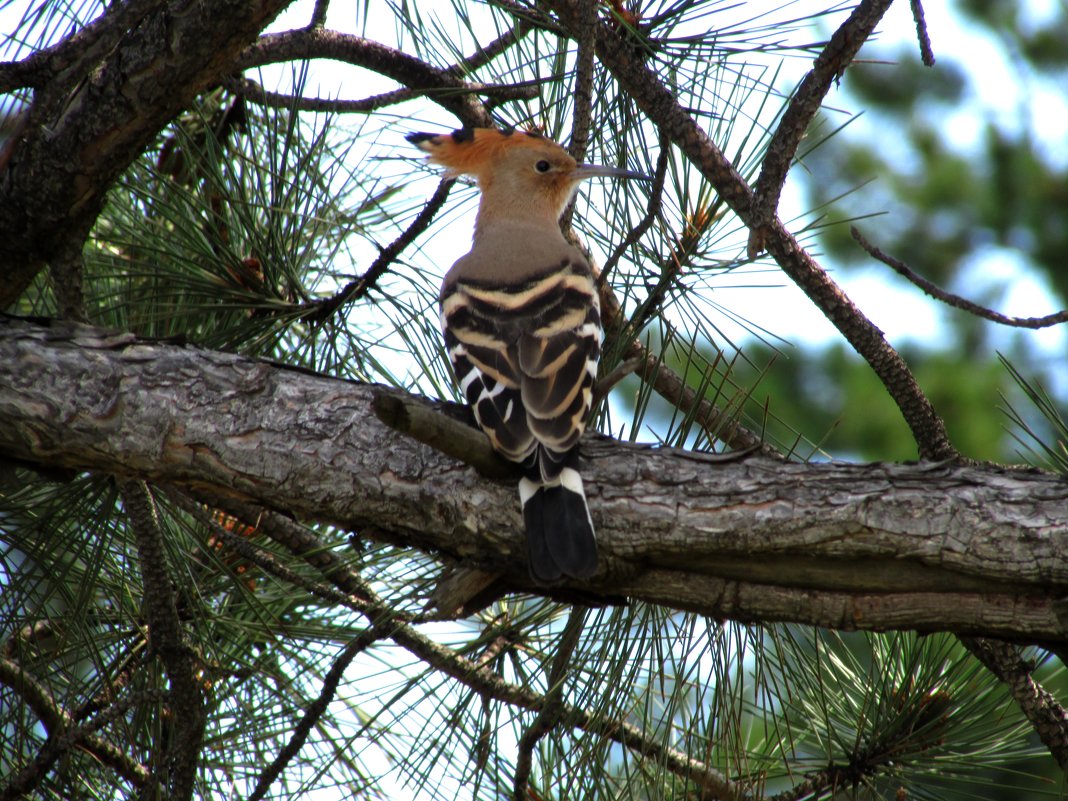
<point x="764" y="296"/>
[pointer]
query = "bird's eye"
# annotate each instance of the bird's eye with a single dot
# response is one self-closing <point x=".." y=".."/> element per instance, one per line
<point x="543" y="166"/>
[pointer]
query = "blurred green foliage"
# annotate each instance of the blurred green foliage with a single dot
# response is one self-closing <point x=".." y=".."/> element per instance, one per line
<point x="945" y="202"/>
<point x="834" y="398"/>
<point x="944" y="207"/>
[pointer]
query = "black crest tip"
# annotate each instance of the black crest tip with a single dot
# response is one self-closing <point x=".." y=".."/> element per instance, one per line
<point x="416" y="138"/>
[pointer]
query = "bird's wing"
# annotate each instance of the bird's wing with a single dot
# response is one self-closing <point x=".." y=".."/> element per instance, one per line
<point x="488" y="376"/>
<point x="558" y="363"/>
<point x="525" y="357"/>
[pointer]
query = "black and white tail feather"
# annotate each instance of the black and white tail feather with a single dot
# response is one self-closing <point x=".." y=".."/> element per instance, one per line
<point x="560" y="535"/>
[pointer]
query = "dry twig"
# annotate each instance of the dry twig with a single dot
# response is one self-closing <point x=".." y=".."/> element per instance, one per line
<point x="168" y="641"/>
<point x="949" y="298"/>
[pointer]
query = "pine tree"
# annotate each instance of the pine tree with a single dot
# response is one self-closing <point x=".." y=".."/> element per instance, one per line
<point x="244" y="556"/>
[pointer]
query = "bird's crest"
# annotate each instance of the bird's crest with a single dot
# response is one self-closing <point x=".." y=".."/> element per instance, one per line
<point x="469" y="150"/>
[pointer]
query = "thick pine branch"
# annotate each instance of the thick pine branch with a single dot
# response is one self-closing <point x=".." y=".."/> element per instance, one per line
<point x="976" y="550"/>
<point x="88" y="124"/>
<point x="168" y="641"/>
<point x="1037" y="704"/>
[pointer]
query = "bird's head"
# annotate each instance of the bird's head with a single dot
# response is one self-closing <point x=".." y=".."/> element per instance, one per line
<point x="520" y="174"/>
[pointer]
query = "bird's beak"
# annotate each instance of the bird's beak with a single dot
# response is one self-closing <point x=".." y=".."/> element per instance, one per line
<point x="584" y="171"/>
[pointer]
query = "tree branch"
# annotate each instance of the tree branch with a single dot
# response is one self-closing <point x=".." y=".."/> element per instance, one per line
<point x="926" y="53"/>
<point x="552" y="708"/>
<point x="584" y="74"/>
<point x="168" y="640"/>
<point x="948" y="297"/>
<point x="442" y="85"/>
<point x="319" y="310"/>
<point x="318" y="17"/>
<point x="255" y="93"/>
<point x="77" y="52"/>
<point x="806" y="101"/>
<point x="90" y="123"/>
<point x="63" y="733"/>
<point x="975" y="550"/>
<point x="664" y="110"/>
<point x="356" y="646"/>
<point x="1049" y="718"/>
<point x="35" y="696"/>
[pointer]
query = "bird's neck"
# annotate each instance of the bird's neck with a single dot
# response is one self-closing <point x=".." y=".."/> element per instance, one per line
<point x="526" y="215"/>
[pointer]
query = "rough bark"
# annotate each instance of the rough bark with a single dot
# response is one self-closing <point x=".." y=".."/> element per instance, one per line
<point x="930" y="546"/>
<point x="90" y="119"/>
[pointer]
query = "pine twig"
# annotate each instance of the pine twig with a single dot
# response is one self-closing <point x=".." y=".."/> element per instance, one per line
<point x="814" y="785"/>
<point x="1046" y="715"/>
<point x="62" y="735"/>
<point x="551" y="712"/>
<point x="320" y="310"/>
<point x="652" y="211"/>
<point x="637" y="358"/>
<point x="255" y="93"/>
<point x="316" y="708"/>
<point x="926" y="53"/>
<point x="168" y="640"/>
<point x="266" y="561"/>
<point x="318" y="17"/>
<point x="951" y="299"/>
<point x="302" y="542"/>
<point x="606" y="383"/>
<point x="671" y="265"/>
<point x="486" y="54"/>
<point x="831" y="63"/>
<point x="408" y="70"/>
<point x="671" y="386"/>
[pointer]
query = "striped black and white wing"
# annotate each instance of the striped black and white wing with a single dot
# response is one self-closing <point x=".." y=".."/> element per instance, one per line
<point x="525" y="356"/>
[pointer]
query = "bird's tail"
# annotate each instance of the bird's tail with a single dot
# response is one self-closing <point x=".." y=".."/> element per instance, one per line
<point x="559" y="529"/>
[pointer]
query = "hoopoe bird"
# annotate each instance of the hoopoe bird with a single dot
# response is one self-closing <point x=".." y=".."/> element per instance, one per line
<point x="522" y="325"/>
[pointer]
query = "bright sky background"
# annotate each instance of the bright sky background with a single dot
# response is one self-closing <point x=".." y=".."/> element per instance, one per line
<point x="765" y="297"/>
